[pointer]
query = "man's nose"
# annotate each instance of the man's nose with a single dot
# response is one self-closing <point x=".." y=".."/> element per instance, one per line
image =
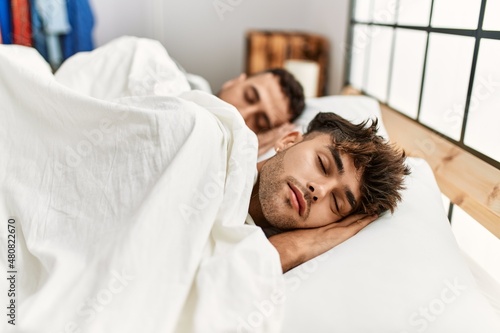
<point x="319" y="190"/>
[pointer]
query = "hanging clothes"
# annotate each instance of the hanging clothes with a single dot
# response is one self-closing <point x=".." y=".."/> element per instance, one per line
<point x="56" y="28"/>
<point x="21" y="22"/>
<point x="81" y="21"/>
<point x="37" y="31"/>
<point x="5" y="22"/>
<point x="54" y="18"/>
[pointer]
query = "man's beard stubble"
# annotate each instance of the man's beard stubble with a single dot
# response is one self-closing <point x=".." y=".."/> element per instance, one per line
<point x="276" y="209"/>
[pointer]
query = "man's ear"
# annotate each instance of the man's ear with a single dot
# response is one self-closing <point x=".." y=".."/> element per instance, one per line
<point x="288" y="140"/>
<point x="228" y="84"/>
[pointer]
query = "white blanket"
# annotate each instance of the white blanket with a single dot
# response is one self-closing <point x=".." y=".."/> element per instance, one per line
<point x="129" y="212"/>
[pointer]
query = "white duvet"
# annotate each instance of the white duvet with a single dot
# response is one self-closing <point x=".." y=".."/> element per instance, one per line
<point x="129" y="207"/>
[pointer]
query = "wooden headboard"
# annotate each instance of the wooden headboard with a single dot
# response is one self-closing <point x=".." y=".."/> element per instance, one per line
<point x="465" y="179"/>
<point x="270" y="49"/>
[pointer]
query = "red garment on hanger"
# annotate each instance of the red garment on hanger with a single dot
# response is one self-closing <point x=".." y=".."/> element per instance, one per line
<point x="21" y="21"/>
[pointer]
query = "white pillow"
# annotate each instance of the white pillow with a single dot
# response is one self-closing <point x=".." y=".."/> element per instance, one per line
<point x="403" y="273"/>
<point x="353" y="108"/>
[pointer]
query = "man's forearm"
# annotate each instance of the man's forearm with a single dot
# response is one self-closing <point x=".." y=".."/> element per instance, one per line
<point x="296" y="247"/>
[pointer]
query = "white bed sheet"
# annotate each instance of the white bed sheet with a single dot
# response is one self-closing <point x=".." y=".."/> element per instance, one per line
<point x="129" y="213"/>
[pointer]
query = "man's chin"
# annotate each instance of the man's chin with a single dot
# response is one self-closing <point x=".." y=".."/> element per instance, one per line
<point x="280" y="223"/>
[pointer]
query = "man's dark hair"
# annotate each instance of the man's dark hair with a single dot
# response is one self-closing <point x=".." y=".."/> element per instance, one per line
<point x="292" y="89"/>
<point x="381" y="163"/>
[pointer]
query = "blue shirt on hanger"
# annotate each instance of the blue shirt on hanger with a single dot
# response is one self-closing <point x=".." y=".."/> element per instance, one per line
<point x="37" y="31"/>
<point x="81" y="21"/>
<point x="5" y="21"/>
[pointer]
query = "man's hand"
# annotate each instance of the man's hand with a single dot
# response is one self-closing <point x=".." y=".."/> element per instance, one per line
<point x="268" y="138"/>
<point x="298" y="246"/>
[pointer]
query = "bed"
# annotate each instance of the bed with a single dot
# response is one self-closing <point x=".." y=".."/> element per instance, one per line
<point x="109" y="237"/>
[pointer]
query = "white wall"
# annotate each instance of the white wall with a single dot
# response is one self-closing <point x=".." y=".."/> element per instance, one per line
<point x="211" y="42"/>
<point x="114" y="18"/>
<point x="331" y="18"/>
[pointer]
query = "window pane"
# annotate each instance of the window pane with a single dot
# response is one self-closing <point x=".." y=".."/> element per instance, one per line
<point x="462" y="14"/>
<point x="482" y="131"/>
<point x="480" y="244"/>
<point x="360" y="44"/>
<point x="378" y="64"/>
<point x="446" y="81"/>
<point x="492" y="15"/>
<point x="407" y="69"/>
<point x="413" y="12"/>
<point x="362" y="11"/>
<point x="384" y="11"/>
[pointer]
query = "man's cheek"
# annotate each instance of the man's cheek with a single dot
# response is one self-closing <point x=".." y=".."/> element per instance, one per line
<point x="320" y="219"/>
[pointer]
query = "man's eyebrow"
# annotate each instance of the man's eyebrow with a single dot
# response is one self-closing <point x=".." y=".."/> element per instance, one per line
<point x="350" y="197"/>
<point x="338" y="161"/>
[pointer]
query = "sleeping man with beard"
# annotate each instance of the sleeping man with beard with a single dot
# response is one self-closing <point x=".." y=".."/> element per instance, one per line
<point x="323" y="187"/>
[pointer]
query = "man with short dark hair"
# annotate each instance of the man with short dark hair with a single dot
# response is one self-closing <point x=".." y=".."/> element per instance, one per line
<point x="322" y="188"/>
<point x="268" y="101"/>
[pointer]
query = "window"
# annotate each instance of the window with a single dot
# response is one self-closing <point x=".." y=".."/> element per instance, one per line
<point x="436" y="61"/>
<point x="379" y="62"/>
<point x="492" y="15"/>
<point x="481" y="135"/>
<point x="463" y="14"/>
<point x="449" y="61"/>
<point x="407" y="65"/>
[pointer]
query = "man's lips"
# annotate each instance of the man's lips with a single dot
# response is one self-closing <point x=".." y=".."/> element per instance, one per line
<point x="297" y="199"/>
